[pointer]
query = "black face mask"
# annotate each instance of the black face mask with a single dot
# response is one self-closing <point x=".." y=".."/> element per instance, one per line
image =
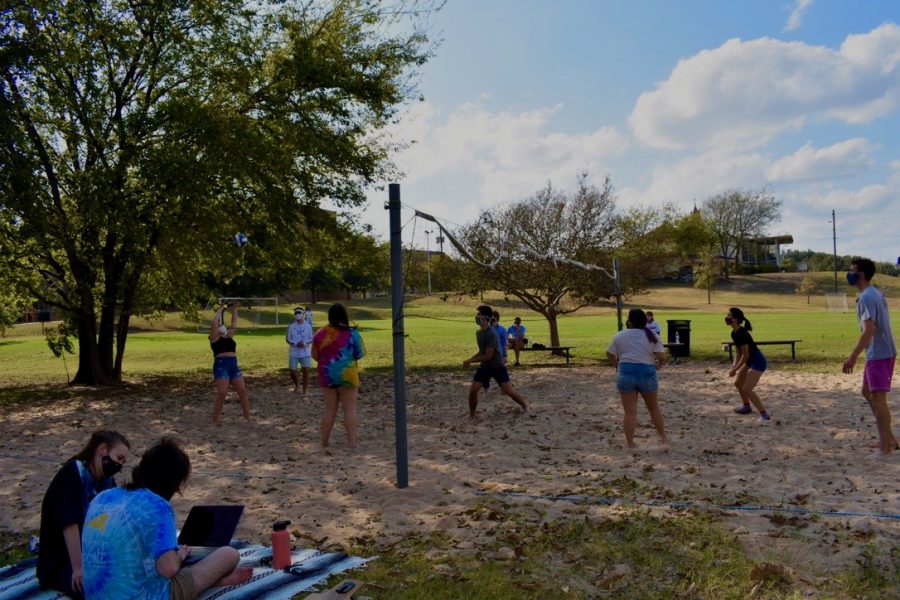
<point x="110" y="467"/>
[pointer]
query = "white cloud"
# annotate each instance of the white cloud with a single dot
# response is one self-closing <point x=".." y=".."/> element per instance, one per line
<point x="510" y="154"/>
<point x="795" y="19"/>
<point x="746" y="92"/>
<point x="843" y="159"/>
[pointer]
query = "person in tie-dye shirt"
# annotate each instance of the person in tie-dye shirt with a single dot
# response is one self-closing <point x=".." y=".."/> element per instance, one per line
<point x="336" y="348"/>
<point x="129" y="545"/>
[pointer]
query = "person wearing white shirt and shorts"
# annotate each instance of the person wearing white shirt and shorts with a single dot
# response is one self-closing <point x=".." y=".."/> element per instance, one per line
<point x="299" y="338"/>
<point x="637" y="354"/>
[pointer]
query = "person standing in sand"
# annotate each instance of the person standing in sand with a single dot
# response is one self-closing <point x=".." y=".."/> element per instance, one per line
<point x="637" y="354"/>
<point x="336" y="348"/>
<point x="299" y="337"/>
<point x="490" y="364"/>
<point x="749" y="364"/>
<point x="881" y="351"/>
<point x="225" y="366"/>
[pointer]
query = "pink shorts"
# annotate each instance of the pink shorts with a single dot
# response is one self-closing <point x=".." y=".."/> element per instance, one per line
<point x="878" y="373"/>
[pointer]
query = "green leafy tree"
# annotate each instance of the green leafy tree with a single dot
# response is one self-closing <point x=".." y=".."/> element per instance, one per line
<point x="137" y="138"/>
<point x="59" y="340"/>
<point x="706" y="271"/>
<point x="582" y="226"/>
<point x="738" y="216"/>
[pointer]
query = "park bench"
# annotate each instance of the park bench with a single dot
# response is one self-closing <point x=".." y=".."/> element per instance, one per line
<point x="551" y="349"/>
<point x="673" y="355"/>
<point x="792" y="343"/>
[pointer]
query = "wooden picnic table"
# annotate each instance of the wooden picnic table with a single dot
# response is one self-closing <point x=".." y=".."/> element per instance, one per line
<point x="551" y="349"/>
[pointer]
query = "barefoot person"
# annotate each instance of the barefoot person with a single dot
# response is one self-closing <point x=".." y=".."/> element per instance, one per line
<point x="225" y="365"/>
<point x="749" y="364"/>
<point x="299" y="337"/>
<point x="130" y="544"/>
<point x="85" y="475"/>
<point x="490" y="363"/>
<point x="881" y="352"/>
<point x="336" y="348"/>
<point x="637" y="354"/>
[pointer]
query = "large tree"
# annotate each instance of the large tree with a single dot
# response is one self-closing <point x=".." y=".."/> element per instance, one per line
<point x="530" y="248"/>
<point x="739" y="216"/>
<point x="137" y="137"/>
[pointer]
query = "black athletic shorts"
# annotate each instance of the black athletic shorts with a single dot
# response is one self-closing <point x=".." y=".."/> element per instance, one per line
<point x="484" y="375"/>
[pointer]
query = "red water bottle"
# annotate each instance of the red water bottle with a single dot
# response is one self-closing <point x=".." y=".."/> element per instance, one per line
<point x="281" y="545"/>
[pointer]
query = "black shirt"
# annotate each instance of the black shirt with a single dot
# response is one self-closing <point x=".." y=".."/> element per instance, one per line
<point x="65" y="503"/>
<point x="742" y="337"/>
<point x="222" y="345"/>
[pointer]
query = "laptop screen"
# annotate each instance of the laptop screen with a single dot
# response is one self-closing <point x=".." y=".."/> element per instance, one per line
<point x="210" y="525"/>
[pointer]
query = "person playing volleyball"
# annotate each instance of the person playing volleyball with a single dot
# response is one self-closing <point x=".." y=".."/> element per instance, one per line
<point x="749" y="364"/>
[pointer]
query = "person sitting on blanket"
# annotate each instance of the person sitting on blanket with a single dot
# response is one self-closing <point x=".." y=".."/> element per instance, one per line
<point x="86" y="474"/>
<point x="128" y="529"/>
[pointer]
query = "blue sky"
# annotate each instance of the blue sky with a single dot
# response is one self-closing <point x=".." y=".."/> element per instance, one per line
<point x="675" y="101"/>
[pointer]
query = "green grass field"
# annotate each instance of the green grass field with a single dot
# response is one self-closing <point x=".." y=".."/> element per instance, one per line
<point x="440" y="333"/>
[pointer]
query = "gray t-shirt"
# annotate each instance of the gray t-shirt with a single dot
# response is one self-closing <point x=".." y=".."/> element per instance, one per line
<point x="487" y="338"/>
<point x="872" y="306"/>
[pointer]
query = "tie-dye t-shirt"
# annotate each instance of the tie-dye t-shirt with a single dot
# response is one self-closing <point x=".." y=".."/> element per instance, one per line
<point x="338" y="350"/>
<point x="125" y="531"/>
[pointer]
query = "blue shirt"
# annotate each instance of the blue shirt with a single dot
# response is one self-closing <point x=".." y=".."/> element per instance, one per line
<point x="517" y="331"/>
<point x="872" y="306"/>
<point x="125" y="531"/>
<point x="501" y="337"/>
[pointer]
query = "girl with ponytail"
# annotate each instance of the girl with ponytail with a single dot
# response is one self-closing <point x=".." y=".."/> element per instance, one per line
<point x="749" y="364"/>
<point x="637" y="354"/>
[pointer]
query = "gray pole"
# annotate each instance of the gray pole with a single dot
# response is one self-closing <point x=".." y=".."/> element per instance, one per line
<point x="834" y="239"/>
<point x="393" y="206"/>
<point x="428" y="258"/>
<point x="618" y="291"/>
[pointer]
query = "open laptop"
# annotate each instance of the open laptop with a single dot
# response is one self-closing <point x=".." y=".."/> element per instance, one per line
<point x="209" y="527"/>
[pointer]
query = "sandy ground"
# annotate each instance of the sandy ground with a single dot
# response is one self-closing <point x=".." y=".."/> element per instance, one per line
<point x="813" y="455"/>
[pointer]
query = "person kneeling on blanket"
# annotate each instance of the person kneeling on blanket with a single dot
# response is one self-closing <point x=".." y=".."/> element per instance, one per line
<point x="128" y="529"/>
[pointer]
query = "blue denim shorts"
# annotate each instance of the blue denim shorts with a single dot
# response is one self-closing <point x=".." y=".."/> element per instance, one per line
<point x="226" y="367"/>
<point x="757" y="362"/>
<point x="304" y="361"/>
<point x="635" y="377"/>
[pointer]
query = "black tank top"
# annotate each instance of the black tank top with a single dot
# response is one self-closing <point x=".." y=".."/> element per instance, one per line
<point x="222" y="345"/>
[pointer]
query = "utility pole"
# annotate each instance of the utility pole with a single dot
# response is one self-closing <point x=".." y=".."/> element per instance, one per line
<point x="428" y="258"/>
<point x="440" y="241"/>
<point x="834" y="240"/>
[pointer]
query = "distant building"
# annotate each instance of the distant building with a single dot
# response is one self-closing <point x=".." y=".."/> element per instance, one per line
<point x="764" y="250"/>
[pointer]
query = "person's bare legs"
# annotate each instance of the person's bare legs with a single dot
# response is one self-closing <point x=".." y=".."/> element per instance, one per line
<point x="651" y="399"/>
<point x="739" y="379"/>
<point x="241" y="389"/>
<point x="882" y="412"/>
<point x="751" y="378"/>
<point x="219" y="402"/>
<point x="305" y="378"/>
<point x="219" y="569"/>
<point x="349" y="398"/>
<point x="473" y="398"/>
<point x="510" y="391"/>
<point x="517" y="346"/>
<point x="294" y="379"/>
<point x="629" y="403"/>
<point x="329" y="414"/>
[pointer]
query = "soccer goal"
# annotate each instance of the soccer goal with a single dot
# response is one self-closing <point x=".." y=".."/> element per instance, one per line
<point x="253" y="313"/>
<point x="836" y="302"/>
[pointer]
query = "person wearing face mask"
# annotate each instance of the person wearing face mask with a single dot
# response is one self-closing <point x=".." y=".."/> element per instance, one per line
<point x="490" y="362"/>
<point x="91" y="471"/>
<point x="749" y="364"/>
<point x="225" y="366"/>
<point x="877" y="340"/>
<point x="299" y="337"/>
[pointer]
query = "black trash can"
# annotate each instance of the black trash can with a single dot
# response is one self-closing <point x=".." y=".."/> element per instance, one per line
<point x="679" y="331"/>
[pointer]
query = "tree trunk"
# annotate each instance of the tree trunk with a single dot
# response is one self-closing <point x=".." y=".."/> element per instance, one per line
<point x="89" y="371"/>
<point x="554" y="332"/>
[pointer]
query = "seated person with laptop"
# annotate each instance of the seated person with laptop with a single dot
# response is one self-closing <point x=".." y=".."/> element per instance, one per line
<point x="129" y="545"/>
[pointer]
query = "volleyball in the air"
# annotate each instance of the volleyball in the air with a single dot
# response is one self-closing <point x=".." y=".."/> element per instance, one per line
<point x="240" y="240"/>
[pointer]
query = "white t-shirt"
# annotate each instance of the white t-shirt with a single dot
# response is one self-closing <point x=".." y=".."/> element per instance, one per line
<point x="299" y="332"/>
<point x="632" y="346"/>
